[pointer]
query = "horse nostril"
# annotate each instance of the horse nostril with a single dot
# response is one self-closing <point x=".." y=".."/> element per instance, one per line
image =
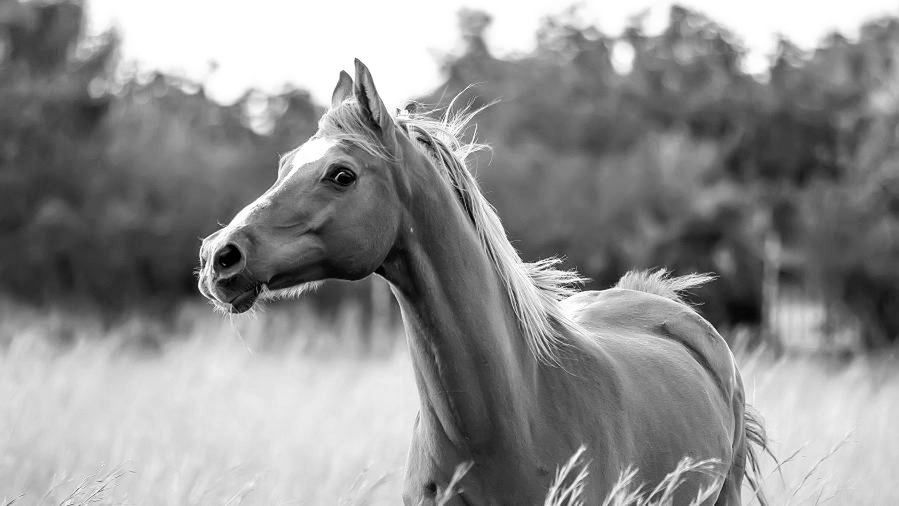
<point x="227" y="257"/>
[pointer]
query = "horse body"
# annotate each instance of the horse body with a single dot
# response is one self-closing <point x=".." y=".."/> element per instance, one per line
<point x="648" y="383"/>
<point x="515" y="371"/>
<point x="634" y="397"/>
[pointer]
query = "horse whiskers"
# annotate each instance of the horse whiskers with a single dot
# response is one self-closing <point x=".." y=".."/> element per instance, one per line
<point x="292" y="292"/>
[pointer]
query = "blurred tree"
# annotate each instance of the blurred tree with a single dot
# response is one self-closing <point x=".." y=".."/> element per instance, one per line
<point x="613" y="164"/>
<point x="107" y="184"/>
<point x="49" y="126"/>
<point x="619" y="151"/>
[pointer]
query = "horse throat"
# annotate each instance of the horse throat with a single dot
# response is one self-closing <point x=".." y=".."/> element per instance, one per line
<point x="473" y="369"/>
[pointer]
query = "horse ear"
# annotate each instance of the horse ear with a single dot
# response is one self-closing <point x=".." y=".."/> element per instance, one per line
<point x="369" y="100"/>
<point x="343" y="90"/>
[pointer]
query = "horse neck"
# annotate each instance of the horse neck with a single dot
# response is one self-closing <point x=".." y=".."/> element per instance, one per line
<point x="472" y="366"/>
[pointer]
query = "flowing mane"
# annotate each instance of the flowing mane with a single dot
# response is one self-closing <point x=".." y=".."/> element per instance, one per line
<point x="534" y="289"/>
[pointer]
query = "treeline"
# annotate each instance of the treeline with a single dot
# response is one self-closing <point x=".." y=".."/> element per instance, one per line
<point x="617" y="151"/>
<point x="647" y="150"/>
<point x="108" y="180"/>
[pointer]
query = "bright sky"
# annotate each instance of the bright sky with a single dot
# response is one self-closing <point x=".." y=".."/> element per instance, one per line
<point x="266" y="43"/>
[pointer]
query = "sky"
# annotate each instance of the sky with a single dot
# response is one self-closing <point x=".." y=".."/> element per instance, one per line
<point x="267" y="43"/>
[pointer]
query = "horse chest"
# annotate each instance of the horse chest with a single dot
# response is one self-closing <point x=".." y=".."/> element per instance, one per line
<point x="496" y="478"/>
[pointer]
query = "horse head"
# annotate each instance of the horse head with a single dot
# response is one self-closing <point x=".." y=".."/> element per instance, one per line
<point x="333" y="212"/>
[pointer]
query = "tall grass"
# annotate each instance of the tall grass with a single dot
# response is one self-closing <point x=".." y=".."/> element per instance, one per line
<point x="288" y="409"/>
<point x="571" y="479"/>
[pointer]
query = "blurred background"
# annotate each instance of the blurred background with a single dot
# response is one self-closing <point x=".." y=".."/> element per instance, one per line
<point x="624" y="137"/>
<point x="636" y="148"/>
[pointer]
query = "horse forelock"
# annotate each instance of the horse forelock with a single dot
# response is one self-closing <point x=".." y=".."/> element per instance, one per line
<point x="536" y="289"/>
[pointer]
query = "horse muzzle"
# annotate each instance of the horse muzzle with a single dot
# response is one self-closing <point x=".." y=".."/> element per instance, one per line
<point x="225" y="279"/>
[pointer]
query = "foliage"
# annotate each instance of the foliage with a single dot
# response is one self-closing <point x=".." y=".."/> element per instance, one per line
<point x="108" y="181"/>
<point x="616" y="150"/>
<point x="684" y="159"/>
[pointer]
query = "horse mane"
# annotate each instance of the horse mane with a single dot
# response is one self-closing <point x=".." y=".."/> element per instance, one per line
<point x="661" y="282"/>
<point x="535" y="289"/>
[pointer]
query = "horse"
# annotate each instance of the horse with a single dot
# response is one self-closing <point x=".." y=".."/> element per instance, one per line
<point x="515" y="368"/>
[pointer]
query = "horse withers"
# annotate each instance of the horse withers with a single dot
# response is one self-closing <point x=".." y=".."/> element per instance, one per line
<point x="515" y="368"/>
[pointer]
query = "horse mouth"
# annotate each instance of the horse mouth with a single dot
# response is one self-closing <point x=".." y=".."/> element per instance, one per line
<point x="245" y="301"/>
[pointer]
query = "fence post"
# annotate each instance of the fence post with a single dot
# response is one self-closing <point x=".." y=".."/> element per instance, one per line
<point x="771" y="265"/>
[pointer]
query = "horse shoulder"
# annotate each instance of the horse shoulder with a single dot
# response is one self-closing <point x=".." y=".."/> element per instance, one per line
<point x="620" y="311"/>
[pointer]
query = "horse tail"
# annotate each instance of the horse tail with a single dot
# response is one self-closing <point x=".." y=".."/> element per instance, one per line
<point x="757" y="443"/>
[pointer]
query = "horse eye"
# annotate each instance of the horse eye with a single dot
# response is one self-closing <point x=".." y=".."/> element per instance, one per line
<point x="342" y="177"/>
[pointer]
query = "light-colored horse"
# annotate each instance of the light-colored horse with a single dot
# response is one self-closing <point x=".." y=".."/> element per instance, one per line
<point x="514" y="369"/>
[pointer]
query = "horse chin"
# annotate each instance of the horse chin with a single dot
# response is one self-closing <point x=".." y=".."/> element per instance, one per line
<point x="290" y="292"/>
<point x="243" y="302"/>
<point x="262" y="293"/>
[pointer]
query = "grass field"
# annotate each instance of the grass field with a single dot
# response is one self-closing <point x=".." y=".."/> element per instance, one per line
<point x="283" y="408"/>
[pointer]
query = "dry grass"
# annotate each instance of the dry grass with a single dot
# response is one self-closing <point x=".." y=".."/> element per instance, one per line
<point x="214" y="418"/>
<point x="570" y="481"/>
